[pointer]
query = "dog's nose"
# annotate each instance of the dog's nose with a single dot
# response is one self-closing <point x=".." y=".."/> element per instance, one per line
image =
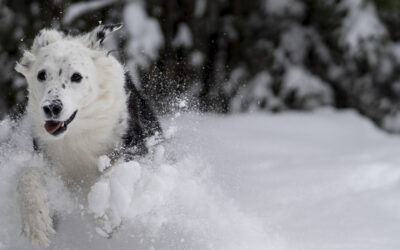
<point x="53" y="108"/>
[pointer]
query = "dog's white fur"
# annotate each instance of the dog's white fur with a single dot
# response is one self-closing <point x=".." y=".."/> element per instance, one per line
<point x="101" y="119"/>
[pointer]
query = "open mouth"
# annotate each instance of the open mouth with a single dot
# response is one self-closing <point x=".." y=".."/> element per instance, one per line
<point x="58" y="127"/>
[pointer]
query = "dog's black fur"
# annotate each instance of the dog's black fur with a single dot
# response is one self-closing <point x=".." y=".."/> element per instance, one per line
<point x="142" y="122"/>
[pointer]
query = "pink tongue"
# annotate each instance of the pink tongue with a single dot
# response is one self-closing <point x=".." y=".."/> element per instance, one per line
<point x="52" y="126"/>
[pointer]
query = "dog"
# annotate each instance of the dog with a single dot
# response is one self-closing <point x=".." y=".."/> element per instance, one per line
<point x="82" y="105"/>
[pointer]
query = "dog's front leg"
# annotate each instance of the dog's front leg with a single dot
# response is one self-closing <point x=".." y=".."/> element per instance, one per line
<point x="36" y="220"/>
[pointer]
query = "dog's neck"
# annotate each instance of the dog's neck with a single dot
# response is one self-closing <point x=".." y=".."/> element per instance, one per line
<point x="75" y="156"/>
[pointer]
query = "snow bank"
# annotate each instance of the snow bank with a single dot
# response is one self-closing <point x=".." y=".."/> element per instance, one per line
<point x="177" y="202"/>
<point x="305" y="181"/>
<point x="165" y="201"/>
<point x="321" y="180"/>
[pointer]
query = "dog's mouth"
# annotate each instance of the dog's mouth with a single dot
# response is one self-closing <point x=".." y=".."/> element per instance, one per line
<point x="58" y="127"/>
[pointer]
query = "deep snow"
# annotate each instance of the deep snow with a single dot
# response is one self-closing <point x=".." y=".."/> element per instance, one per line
<point x="320" y="180"/>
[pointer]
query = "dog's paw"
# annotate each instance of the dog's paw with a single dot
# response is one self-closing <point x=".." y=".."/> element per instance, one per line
<point x="37" y="226"/>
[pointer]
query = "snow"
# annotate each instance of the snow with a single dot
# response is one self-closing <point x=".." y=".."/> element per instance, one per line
<point x="145" y="37"/>
<point x="295" y="42"/>
<point x="77" y="9"/>
<point x="310" y="91"/>
<point x="183" y="37"/>
<point x="98" y="198"/>
<point x="391" y="122"/>
<point x="361" y="24"/>
<point x="257" y="91"/>
<point x="319" y="180"/>
<point x="200" y="8"/>
<point x="103" y="163"/>
<point x="196" y="58"/>
<point x="236" y="79"/>
<point x="281" y="7"/>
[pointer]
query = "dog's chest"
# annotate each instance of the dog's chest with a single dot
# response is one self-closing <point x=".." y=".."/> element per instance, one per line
<point x="75" y="157"/>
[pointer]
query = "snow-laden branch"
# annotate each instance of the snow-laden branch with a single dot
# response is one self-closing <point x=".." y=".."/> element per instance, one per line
<point x="77" y="9"/>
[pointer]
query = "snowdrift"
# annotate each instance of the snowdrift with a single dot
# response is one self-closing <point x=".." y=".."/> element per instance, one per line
<point x="321" y="180"/>
<point x="165" y="201"/>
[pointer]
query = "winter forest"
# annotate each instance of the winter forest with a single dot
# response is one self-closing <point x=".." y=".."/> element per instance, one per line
<point x="282" y="120"/>
<point x="233" y="56"/>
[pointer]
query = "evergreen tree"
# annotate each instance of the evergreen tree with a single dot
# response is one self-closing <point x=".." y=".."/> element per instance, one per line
<point x="230" y="56"/>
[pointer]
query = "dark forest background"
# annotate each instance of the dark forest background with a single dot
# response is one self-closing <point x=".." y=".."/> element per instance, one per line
<point x="232" y="55"/>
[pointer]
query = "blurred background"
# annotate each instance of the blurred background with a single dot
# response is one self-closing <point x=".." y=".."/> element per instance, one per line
<point x="232" y="55"/>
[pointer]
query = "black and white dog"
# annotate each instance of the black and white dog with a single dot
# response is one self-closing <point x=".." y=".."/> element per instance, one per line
<point x="82" y="105"/>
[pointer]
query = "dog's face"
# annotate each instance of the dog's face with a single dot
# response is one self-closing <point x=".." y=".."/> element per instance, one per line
<point x="62" y="77"/>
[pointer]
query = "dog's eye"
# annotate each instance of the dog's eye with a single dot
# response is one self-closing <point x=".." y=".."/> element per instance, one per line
<point x="42" y="75"/>
<point x="76" y="77"/>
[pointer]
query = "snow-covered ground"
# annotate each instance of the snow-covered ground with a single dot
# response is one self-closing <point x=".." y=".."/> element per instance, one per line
<point x="320" y="180"/>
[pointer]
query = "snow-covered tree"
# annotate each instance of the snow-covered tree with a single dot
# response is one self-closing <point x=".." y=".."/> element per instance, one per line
<point x="234" y="56"/>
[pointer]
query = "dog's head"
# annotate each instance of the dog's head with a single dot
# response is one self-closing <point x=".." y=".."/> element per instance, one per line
<point x="62" y="76"/>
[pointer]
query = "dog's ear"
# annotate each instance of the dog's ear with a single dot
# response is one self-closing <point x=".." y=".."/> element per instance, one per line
<point x="44" y="38"/>
<point x="95" y="38"/>
<point x="25" y="63"/>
